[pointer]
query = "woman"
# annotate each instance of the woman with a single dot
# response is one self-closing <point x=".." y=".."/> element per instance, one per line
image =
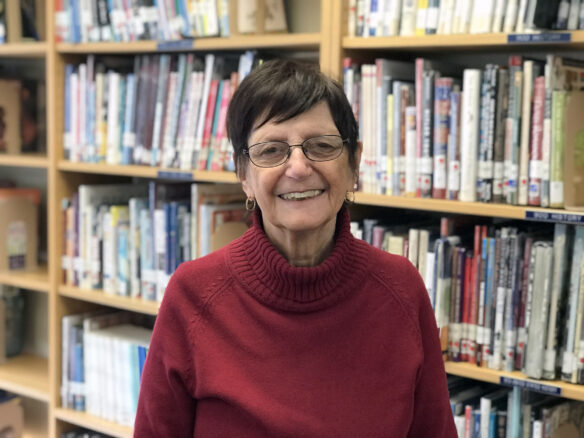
<point x="296" y="329"/>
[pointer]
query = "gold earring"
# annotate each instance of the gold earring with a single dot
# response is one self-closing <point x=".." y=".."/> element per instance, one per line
<point x="350" y="197"/>
<point x="250" y="204"/>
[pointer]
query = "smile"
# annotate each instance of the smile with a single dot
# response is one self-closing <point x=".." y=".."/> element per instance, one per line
<point x="299" y="196"/>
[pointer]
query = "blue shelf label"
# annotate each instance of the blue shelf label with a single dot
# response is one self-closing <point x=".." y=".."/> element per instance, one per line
<point x="180" y="176"/>
<point x="532" y="386"/>
<point x="544" y="216"/>
<point x="548" y="37"/>
<point x="176" y="45"/>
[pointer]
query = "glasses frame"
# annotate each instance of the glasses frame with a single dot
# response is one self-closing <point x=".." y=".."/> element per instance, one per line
<point x="300" y="145"/>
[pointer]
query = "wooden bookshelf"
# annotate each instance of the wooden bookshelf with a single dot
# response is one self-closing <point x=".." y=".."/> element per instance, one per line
<point x="24" y="50"/>
<point x="37" y="279"/>
<point x="83" y="419"/>
<point x="475" y="42"/>
<point x="463" y="369"/>
<point x="468" y="208"/>
<point x="26" y="375"/>
<point x="39" y="378"/>
<point x="149" y="172"/>
<point x="99" y="297"/>
<point x="290" y="41"/>
<point x="39" y="161"/>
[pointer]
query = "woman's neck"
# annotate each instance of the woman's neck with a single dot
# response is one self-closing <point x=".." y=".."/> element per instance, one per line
<point x="303" y="248"/>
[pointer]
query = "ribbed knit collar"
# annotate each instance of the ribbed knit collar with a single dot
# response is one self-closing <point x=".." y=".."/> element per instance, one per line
<point x="267" y="275"/>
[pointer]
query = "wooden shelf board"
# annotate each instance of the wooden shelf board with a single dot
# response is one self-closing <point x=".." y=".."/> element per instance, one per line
<point x="25" y="160"/>
<point x="31" y="49"/>
<point x="148" y="172"/>
<point x="485" y="41"/>
<point x="37" y="279"/>
<point x="457" y="207"/>
<point x="99" y="297"/>
<point x="83" y="419"/>
<point x="26" y="375"/>
<point x="464" y="369"/>
<point x="267" y="41"/>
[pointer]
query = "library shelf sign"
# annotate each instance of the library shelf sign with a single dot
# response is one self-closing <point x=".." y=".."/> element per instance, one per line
<point x="554" y="216"/>
<point x="538" y="38"/>
<point x="531" y="385"/>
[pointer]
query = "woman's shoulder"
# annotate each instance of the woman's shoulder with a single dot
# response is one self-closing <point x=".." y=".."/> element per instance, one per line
<point x="395" y="272"/>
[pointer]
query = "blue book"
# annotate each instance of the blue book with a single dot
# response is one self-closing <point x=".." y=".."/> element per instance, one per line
<point x="128" y="114"/>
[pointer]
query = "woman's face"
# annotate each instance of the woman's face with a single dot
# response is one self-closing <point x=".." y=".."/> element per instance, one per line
<point x="321" y="186"/>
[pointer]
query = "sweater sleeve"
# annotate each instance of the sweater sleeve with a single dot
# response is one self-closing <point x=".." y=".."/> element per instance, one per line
<point x="431" y="404"/>
<point x="166" y="407"/>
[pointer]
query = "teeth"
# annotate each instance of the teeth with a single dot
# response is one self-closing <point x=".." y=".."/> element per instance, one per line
<point x="301" y="195"/>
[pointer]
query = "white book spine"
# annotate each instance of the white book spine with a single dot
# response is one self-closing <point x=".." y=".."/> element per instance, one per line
<point x="112" y="117"/>
<point x="408" y="18"/>
<point x="510" y="16"/>
<point x="469" y="134"/>
<point x="520" y="22"/>
<point x="498" y="16"/>
<point x="411" y="174"/>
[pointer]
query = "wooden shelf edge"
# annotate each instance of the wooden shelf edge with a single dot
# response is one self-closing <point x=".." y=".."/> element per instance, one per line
<point x="25" y="160"/>
<point x="463" y="369"/>
<point x="471" y="208"/>
<point x="37" y="280"/>
<point x="33" y="49"/>
<point x="26" y="375"/>
<point x="466" y="41"/>
<point x="99" y="297"/>
<point x="83" y="419"/>
<point x="149" y="172"/>
<point x="275" y="40"/>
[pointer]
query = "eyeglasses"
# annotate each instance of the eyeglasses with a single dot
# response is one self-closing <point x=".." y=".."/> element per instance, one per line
<point x="276" y="153"/>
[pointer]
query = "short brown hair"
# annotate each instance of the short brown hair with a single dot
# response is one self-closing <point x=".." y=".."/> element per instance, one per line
<point x="280" y="90"/>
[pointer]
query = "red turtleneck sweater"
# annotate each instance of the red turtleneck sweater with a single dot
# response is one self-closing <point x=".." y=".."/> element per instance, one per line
<point x="246" y="345"/>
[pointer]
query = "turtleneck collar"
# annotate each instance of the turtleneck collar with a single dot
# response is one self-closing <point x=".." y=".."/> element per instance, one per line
<point x="267" y="275"/>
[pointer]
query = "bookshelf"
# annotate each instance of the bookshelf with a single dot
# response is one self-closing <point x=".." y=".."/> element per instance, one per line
<point x="38" y="378"/>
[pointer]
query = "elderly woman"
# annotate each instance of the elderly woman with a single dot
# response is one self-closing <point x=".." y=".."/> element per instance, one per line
<point x="296" y="329"/>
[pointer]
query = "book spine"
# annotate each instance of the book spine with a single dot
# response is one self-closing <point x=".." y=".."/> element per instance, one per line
<point x="469" y="134"/>
<point x="410" y="148"/>
<point x="536" y="149"/>
<point x="559" y="99"/>
<point x="442" y="101"/>
<point x="425" y="162"/>
<point x="501" y="108"/>
<point x="527" y="101"/>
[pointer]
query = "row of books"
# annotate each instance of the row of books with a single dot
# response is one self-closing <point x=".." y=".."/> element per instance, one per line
<point x="499" y="135"/>
<point x="166" y="111"/>
<point x="370" y="18"/>
<point x="103" y="354"/>
<point x="511" y="300"/>
<point x="128" y="239"/>
<point x="164" y="20"/>
<point x="488" y="411"/>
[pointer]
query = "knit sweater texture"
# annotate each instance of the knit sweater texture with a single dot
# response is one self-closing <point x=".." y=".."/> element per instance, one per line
<point x="247" y="345"/>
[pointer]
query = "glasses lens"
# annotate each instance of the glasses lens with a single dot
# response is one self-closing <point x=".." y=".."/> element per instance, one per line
<point x="323" y="148"/>
<point x="268" y="154"/>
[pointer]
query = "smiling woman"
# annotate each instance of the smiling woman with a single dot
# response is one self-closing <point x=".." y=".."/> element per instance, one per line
<point x="296" y="328"/>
